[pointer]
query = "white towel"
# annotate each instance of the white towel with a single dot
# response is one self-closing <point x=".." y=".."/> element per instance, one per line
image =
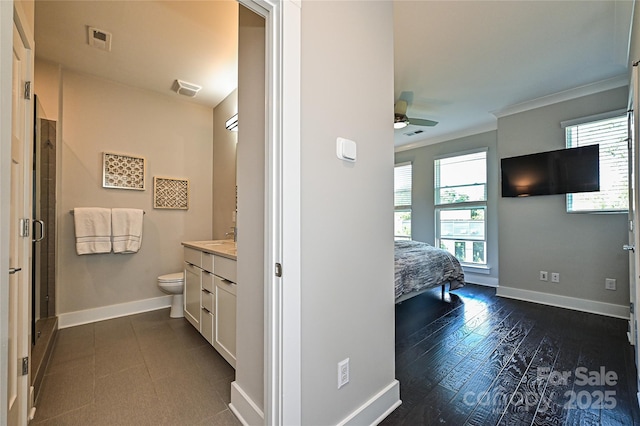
<point x="93" y="230"/>
<point x="127" y="230"/>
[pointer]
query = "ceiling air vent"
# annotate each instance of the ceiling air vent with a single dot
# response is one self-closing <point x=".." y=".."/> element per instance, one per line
<point x="187" y="89"/>
<point x="417" y="132"/>
<point x="99" y="39"/>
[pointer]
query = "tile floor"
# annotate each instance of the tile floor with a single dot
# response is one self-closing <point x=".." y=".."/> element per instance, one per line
<point x="145" y="369"/>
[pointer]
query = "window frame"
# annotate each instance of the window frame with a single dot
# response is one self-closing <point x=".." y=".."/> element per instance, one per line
<point x="463" y="205"/>
<point x="404" y="207"/>
<point x="620" y="114"/>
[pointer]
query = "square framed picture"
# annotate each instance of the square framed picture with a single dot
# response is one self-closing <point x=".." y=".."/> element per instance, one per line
<point x="170" y="193"/>
<point x="123" y="171"/>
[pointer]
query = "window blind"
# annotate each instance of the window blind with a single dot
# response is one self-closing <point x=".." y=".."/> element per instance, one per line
<point x="611" y="135"/>
<point x="402" y="186"/>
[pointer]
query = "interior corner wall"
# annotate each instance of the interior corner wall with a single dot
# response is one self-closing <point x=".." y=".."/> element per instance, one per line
<point x="347" y="305"/>
<point x="224" y="168"/>
<point x="47" y="87"/>
<point x="422" y="204"/>
<point x="175" y="139"/>
<point x="537" y="234"/>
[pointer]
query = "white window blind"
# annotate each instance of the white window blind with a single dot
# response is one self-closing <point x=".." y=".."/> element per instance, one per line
<point x="402" y="201"/>
<point x="462" y="178"/>
<point x="611" y="134"/>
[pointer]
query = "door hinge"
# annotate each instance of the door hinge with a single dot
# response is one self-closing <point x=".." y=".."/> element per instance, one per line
<point x="27" y="90"/>
<point x="24" y="227"/>
<point x="25" y="366"/>
<point x="278" y="270"/>
<point x="631" y="307"/>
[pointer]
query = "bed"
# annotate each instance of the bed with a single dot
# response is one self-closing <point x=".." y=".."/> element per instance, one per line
<point x="420" y="266"/>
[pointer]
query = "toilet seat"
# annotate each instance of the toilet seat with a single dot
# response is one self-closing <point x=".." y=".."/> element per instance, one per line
<point x="171" y="278"/>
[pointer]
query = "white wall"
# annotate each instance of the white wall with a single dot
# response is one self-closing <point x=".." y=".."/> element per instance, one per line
<point x="347" y="304"/>
<point x="423" y="214"/>
<point x="175" y="138"/>
<point x="537" y="234"/>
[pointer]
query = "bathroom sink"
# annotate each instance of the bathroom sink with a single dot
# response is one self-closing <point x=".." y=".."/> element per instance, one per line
<point x="212" y="244"/>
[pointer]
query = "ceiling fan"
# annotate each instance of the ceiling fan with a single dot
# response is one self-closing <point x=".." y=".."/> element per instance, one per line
<point x="401" y="120"/>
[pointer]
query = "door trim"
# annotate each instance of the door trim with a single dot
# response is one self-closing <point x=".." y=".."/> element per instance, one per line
<point x="282" y="346"/>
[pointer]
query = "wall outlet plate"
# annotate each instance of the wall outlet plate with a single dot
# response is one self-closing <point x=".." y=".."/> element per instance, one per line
<point x="343" y="372"/>
<point x="544" y="276"/>
<point x="555" y="277"/>
<point x="610" y="283"/>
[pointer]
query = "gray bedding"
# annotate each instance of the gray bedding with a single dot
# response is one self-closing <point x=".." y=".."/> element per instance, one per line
<point x="419" y="266"/>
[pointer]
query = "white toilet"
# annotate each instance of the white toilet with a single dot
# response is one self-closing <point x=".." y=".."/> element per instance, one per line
<point x="174" y="284"/>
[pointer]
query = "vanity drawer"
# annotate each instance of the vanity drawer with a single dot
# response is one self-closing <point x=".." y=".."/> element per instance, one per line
<point x="226" y="268"/>
<point x="206" y="326"/>
<point x="207" y="262"/>
<point x="207" y="281"/>
<point x="192" y="256"/>
<point x="207" y="301"/>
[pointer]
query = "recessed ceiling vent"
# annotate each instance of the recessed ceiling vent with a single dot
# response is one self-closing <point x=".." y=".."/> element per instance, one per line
<point x="187" y="89"/>
<point x="417" y="132"/>
<point x="99" y="39"/>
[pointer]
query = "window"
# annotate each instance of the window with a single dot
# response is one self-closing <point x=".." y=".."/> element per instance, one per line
<point x="402" y="201"/>
<point x="461" y="206"/>
<point x="610" y="131"/>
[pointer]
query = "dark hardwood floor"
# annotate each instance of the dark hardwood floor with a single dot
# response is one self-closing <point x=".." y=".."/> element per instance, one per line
<point x="478" y="359"/>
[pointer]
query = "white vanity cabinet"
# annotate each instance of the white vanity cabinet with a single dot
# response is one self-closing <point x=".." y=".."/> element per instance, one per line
<point x="192" y="285"/>
<point x="210" y="296"/>
<point x="225" y="286"/>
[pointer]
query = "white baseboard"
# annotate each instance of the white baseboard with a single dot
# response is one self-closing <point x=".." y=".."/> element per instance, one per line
<point x="584" y="305"/>
<point x="244" y="408"/>
<point x="480" y="279"/>
<point x="377" y="408"/>
<point x="102" y="313"/>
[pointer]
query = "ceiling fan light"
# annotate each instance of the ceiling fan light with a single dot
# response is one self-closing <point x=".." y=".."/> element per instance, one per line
<point x="400" y="121"/>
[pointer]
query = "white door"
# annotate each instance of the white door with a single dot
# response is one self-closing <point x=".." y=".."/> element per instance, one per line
<point x="19" y="242"/>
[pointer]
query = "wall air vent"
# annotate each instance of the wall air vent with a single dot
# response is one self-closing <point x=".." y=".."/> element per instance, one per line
<point x="187" y="89"/>
<point x="99" y="39"/>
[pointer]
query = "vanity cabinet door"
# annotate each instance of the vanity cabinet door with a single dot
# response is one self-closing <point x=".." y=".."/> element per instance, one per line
<point x="192" y="294"/>
<point x="225" y="319"/>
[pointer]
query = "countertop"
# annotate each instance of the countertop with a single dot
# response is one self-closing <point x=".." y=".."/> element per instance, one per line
<point x="224" y="248"/>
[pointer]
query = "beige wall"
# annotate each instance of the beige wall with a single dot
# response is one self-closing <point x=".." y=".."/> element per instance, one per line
<point x="175" y="138"/>
<point x="224" y="168"/>
<point x="251" y="173"/>
<point x="46" y="86"/>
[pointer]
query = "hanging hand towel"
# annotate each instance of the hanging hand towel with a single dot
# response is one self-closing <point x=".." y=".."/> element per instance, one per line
<point x="93" y="230"/>
<point x="127" y="230"/>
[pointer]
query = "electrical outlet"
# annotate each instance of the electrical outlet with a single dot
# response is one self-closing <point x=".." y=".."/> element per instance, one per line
<point x="555" y="277"/>
<point x="343" y="372"/>
<point x="610" y="283"/>
<point x="544" y="276"/>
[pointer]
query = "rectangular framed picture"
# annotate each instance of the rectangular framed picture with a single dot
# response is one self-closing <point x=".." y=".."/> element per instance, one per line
<point x="123" y="171"/>
<point x="170" y="193"/>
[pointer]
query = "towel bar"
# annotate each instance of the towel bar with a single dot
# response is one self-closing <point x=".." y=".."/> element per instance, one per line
<point x="71" y="211"/>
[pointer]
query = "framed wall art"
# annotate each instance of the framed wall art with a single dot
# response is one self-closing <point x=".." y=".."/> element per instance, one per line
<point x="170" y="193"/>
<point x="122" y="171"/>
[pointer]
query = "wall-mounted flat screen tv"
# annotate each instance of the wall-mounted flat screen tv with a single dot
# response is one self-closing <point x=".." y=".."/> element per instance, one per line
<point x="563" y="171"/>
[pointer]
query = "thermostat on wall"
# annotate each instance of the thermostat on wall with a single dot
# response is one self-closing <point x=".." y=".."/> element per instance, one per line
<point x="346" y="149"/>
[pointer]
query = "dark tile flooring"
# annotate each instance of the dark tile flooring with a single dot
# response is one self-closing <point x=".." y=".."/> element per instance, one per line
<point x="478" y="359"/>
<point x="145" y="369"/>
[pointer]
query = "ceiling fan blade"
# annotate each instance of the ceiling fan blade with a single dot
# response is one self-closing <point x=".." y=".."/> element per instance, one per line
<point x="400" y="107"/>
<point x="422" y="122"/>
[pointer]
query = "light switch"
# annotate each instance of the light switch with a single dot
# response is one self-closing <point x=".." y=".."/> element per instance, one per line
<point x="346" y="149"/>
